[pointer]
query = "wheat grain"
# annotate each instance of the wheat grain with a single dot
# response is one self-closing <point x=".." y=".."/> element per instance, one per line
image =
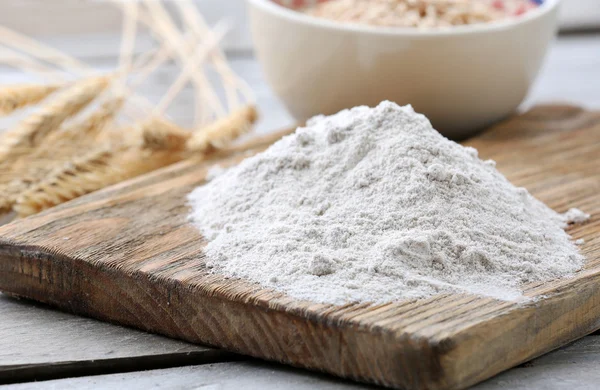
<point x="11" y="191"/>
<point x="30" y="133"/>
<point x="423" y="14"/>
<point x="5" y="203"/>
<point x="18" y="96"/>
<point x="224" y="131"/>
<point x="160" y="134"/>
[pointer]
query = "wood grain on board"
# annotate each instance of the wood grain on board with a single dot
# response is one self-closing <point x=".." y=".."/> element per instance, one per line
<point x="127" y="254"/>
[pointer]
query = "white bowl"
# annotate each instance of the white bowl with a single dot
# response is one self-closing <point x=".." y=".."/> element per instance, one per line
<point x="463" y="78"/>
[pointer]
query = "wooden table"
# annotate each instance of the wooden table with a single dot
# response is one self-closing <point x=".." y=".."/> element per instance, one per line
<point x="65" y="351"/>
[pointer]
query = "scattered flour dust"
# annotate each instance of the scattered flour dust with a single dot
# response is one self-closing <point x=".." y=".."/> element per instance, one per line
<point x="372" y="204"/>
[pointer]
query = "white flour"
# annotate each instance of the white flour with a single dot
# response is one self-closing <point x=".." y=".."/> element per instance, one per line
<point x="575" y="216"/>
<point x="372" y="204"/>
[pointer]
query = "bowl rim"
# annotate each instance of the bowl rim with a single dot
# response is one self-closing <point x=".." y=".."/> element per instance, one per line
<point x="294" y="16"/>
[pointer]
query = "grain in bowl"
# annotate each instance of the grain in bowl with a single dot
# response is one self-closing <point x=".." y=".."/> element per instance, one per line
<point x="415" y="13"/>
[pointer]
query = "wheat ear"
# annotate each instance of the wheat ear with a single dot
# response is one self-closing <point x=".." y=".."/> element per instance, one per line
<point x="70" y="141"/>
<point x="18" y="96"/>
<point x="67" y="182"/>
<point x="5" y="204"/>
<point x="11" y="191"/>
<point x="30" y="133"/>
<point x="77" y="136"/>
<point x="160" y="134"/>
<point x="92" y="172"/>
<point x="224" y="131"/>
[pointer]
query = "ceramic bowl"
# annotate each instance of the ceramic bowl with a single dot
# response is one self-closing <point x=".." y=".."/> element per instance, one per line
<point x="463" y="78"/>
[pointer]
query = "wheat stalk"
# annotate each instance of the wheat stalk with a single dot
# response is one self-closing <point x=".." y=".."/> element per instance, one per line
<point x="36" y="49"/>
<point x="224" y="131"/>
<point x="231" y="82"/>
<point x="26" y="63"/>
<point x="18" y="96"/>
<point x="29" y="45"/>
<point x="130" y="16"/>
<point x="29" y="134"/>
<point x="161" y="23"/>
<point x="190" y="68"/>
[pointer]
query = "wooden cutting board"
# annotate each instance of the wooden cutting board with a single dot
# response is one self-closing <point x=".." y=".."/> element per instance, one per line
<point x="128" y="255"/>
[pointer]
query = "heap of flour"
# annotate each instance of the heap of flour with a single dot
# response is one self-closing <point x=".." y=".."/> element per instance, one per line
<point x="372" y="204"/>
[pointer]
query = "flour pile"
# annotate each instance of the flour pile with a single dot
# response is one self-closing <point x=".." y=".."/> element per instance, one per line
<point x="372" y="204"/>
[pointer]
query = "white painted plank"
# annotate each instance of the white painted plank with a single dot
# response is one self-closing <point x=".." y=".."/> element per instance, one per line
<point x="221" y="376"/>
<point x="40" y="334"/>
<point x="569" y="368"/>
<point x="571" y="73"/>
<point x="37" y="342"/>
<point x="579" y="14"/>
